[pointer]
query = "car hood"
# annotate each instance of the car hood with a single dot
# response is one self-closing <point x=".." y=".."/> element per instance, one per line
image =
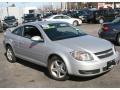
<point x="87" y="42"/>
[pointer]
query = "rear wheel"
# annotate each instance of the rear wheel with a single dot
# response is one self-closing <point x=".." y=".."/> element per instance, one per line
<point x="57" y="69"/>
<point x="75" y="23"/>
<point x="10" y="55"/>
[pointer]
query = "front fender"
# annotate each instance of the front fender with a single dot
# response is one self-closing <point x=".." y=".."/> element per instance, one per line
<point x="65" y="58"/>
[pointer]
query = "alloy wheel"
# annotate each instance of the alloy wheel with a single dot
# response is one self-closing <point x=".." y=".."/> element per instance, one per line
<point x="58" y="69"/>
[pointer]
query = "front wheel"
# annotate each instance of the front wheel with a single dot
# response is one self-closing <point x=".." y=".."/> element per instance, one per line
<point x="118" y="39"/>
<point x="57" y="69"/>
<point x="101" y="21"/>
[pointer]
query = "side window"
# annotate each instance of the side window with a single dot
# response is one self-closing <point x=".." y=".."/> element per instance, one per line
<point x="65" y="17"/>
<point x="57" y="17"/>
<point x="18" y="31"/>
<point x="30" y="31"/>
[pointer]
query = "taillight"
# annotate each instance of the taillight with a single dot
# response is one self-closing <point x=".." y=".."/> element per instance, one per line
<point x="105" y="28"/>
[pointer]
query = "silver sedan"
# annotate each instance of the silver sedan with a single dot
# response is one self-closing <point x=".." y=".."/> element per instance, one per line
<point x="62" y="48"/>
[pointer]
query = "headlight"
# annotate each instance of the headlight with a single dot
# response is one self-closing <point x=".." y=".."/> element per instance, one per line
<point x="82" y="55"/>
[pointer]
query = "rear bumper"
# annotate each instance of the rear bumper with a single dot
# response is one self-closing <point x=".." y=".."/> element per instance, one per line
<point x="107" y="35"/>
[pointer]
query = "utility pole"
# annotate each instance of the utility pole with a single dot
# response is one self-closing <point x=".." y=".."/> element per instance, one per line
<point x="114" y="5"/>
<point x="61" y="5"/>
<point x="7" y="9"/>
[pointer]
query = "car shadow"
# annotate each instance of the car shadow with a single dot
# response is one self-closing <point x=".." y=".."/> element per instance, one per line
<point x="45" y="71"/>
<point x="33" y="66"/>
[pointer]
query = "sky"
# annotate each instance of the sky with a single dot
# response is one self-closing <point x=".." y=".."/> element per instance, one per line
<point x="30" y="4"/>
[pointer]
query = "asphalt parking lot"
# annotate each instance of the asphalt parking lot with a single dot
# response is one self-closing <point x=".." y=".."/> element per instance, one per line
<point x="25" y="74"/>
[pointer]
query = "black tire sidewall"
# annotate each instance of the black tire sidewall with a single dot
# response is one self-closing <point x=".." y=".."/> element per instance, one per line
<point x="118" y="37"/>
<point x="76" y="23"/>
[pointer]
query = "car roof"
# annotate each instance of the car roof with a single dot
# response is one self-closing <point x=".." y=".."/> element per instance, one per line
<point x="42" y="22"/>
<point x="58" y="15"/>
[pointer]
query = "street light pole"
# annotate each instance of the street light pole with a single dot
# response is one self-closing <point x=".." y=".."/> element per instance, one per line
<point x="7" y="9"/>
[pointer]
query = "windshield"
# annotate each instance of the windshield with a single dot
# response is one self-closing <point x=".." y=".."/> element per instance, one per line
<point x="83" y="13"/>
<point x="9" y="18"/>
<point x="59" y="31"/>
<point x="116" y="20"/>
<point x="29" y="16"/>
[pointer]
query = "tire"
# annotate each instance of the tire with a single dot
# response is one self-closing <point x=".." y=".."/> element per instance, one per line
<point x="118" y="39"/>
<point x="75" y="23"/>
<point x="57" y="69"/>
<point x="10" y="55"/>
<point x="101" y="21"/>
<point x="90" y="21"/>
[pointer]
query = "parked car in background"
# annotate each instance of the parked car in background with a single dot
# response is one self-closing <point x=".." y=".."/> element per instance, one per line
<point x="71" y="13"/>
<point x="64" y="18"/>
<point x="31" y="18"/>
<point x="9" y="21"/>
<point x="60" y="47"/>
<point x="111" y="30"/>
<point x="46" y="14"/>
<point x="83" y="15"/>
<point x="101" y="15"/>
<point x="1" y="27"/>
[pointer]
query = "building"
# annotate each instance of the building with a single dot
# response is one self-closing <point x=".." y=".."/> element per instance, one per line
<point x="17" y="12"/>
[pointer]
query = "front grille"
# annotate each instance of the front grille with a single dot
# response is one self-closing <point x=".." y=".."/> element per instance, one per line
<point x="104" y="54"/>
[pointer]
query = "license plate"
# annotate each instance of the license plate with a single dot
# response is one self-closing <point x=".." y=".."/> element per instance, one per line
<point x="110" y="64"/>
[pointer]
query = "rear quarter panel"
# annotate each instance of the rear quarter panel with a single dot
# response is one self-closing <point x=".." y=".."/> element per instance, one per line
<point x="8" y="39"/>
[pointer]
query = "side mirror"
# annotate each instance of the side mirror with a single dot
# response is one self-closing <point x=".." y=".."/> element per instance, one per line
<point x="37" y="39"/>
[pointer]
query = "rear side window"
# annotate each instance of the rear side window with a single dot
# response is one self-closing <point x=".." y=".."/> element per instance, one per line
<point x="30" y="31"/>
<point x="65" y="17"/>
<point x="18" y="31"/>
<point x="58" y="17"/>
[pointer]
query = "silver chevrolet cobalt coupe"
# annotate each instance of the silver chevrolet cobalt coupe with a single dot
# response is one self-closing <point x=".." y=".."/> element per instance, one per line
<point x="63" y="49"/>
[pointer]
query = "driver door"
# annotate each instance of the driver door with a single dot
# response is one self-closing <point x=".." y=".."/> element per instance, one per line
<point x="30" y="49"/>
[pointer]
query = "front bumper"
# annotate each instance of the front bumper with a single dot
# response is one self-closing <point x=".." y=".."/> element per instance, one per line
<point x="92" y="68"/>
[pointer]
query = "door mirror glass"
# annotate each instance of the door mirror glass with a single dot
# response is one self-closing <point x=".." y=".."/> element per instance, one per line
<point x="36" y="38"/>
